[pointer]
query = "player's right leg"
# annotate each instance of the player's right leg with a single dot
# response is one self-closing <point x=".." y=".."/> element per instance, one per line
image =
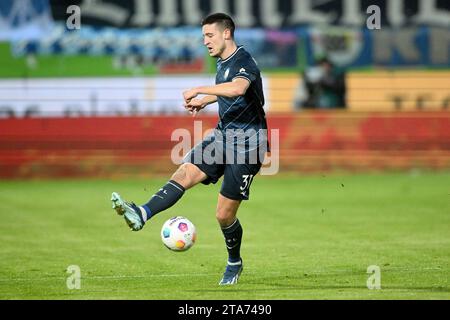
<point x="232" y="231"/>
<point x="235" y="189"/>
<point x="186" y="176"/>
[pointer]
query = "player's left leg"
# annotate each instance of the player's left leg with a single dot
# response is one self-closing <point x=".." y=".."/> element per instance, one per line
<point x="232" y="230"/>
<point x="235" y="188"/>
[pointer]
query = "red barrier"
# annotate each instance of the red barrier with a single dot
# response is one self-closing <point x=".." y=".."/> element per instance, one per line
<point x="309" y="142"/>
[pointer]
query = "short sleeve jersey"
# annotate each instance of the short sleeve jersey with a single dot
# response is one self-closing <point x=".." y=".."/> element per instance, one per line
<point x="243" y="112"/>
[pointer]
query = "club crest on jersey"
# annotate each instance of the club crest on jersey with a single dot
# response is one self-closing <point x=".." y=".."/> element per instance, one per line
<point x="227" y="72"/>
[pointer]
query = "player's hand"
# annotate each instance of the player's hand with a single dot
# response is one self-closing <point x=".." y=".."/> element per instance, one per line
<point x="194" y="106"/>
<point x="188" y="95"/>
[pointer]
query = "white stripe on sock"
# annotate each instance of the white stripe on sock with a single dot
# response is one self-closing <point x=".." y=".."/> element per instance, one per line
<point x="176" y="186"/>
<point x="226" y="228"/>
<point x="143" y="214"/>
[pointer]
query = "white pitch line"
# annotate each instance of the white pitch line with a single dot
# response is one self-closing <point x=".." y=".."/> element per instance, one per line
<point x="110" y="277"/>
<point x="309" y="272"/>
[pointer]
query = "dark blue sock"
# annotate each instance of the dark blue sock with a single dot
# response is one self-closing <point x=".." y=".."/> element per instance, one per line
<point x="233" y="237"/>
<point x="166" y="197"/>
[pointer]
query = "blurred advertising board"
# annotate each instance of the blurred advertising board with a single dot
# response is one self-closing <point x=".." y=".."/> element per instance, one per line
<point x="370" y="91"/>
<point x="291" y="34"/>
<point x="399" y="91"/>
<point x="90" y="97"/>
<point x="374" y="91"/>
<point x="405" y="47"/>
<point x="93" y="96"/>
<point x="273" y="49"/>
<point x="309" y="142"/>
<point x="255" y="13"/>
<point x="24" y="19"/>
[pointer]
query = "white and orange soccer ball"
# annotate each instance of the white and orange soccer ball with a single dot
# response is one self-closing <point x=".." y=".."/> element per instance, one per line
<point x="178" y="234"/>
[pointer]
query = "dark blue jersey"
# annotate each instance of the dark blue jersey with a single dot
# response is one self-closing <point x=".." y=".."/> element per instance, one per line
<point x="244" y="112"/>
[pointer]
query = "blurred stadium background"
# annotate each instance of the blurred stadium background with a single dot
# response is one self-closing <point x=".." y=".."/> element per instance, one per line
<point x="104" y="98"/>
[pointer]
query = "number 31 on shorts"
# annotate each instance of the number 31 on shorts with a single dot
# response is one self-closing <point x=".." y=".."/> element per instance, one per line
<point x="246" y="182"/>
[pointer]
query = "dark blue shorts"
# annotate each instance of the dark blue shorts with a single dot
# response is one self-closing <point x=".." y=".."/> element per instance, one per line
<point x="237" y="174"/>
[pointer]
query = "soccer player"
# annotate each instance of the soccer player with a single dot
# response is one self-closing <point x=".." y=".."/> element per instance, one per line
<point x="239" y="94"/>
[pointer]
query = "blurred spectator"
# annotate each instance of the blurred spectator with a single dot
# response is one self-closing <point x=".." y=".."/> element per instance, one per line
<point x="323" y="87"/>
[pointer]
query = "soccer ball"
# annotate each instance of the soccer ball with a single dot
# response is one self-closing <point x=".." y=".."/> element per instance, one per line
<point x="178" y="234"/>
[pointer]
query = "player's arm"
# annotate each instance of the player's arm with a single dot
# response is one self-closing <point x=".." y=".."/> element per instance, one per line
<point x="195" y="105"/>
<point x="237" y="87"/>
<point x="208" y="100"/>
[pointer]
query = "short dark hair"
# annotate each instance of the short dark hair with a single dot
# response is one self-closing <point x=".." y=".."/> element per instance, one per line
<point x="222" y="19"/>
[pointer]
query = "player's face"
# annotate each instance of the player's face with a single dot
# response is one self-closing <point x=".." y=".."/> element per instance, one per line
<point x="214" y="39"/>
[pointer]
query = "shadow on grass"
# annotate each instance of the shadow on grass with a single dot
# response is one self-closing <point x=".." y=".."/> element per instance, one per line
<point x="240" y="288"/>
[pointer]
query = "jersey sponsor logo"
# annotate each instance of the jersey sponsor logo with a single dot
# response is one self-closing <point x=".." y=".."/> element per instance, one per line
<point x="227" y="72"/>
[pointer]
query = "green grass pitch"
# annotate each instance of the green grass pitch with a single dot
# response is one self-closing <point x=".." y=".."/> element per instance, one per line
<point x="307" y="237"/>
